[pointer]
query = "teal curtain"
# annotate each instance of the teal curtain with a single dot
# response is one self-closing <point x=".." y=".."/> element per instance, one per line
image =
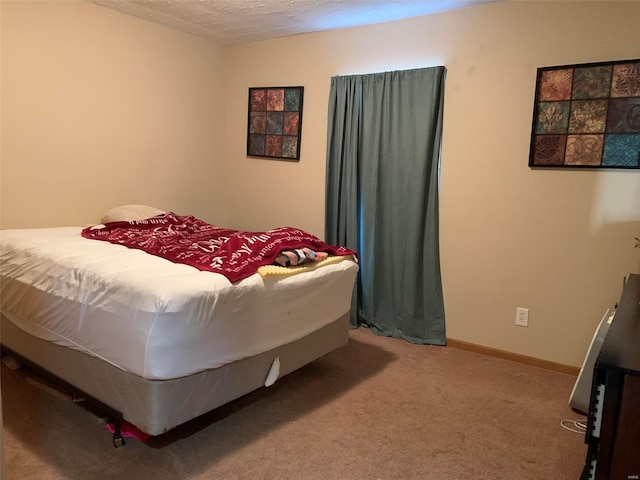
<point x="383" y="153"/>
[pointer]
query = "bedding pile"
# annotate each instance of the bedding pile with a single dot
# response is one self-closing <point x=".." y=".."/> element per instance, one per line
<point x="188" y="240"/>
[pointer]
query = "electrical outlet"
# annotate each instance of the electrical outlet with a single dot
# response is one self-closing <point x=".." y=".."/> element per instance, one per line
<point x="522" y="317"/>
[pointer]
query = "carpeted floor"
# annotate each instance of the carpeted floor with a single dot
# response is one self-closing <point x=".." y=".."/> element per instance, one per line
<point x="376" y="409"/>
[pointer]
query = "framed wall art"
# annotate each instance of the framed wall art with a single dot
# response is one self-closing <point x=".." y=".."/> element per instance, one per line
<point x="587" y="116"/>
<point x="275" y="122"/>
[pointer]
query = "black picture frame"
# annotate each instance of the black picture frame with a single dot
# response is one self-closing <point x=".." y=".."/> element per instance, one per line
<point x="587" y="116"/>
<point x="274" y="123"/>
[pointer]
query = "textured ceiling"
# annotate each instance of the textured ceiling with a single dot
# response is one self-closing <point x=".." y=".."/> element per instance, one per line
<point x="233" y="22"/>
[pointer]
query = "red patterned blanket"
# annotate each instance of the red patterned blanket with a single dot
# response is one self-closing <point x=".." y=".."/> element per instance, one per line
<point x="185" y="239"/>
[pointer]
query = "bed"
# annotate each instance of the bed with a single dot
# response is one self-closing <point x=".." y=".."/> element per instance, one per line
<point x="160" y="342"/>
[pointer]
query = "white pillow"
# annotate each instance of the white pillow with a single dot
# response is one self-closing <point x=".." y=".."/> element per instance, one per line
<point x="128" y="213"/>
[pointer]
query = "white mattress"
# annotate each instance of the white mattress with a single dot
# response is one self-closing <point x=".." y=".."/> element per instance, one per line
<point x="151" y="317"/>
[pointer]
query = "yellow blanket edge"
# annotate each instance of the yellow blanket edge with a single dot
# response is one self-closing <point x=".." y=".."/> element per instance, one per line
<point x="277" y="270"/>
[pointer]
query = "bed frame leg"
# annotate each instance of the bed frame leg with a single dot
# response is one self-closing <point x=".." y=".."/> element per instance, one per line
<point x="118" y="439"/>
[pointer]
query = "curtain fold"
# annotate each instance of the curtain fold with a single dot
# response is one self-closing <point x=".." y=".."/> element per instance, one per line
<point x="383" y="152"/>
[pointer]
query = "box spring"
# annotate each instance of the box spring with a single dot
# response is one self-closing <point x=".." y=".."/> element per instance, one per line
<point x="156" y="406"/>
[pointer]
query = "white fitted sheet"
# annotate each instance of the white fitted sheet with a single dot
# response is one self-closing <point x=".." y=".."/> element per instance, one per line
<point x="151" y="317"/>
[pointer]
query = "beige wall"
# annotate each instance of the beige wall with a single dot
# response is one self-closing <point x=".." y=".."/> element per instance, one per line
<point x="556" y="242"/>
<point x="94" y="101"/>
<point x="101" y="109"/>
